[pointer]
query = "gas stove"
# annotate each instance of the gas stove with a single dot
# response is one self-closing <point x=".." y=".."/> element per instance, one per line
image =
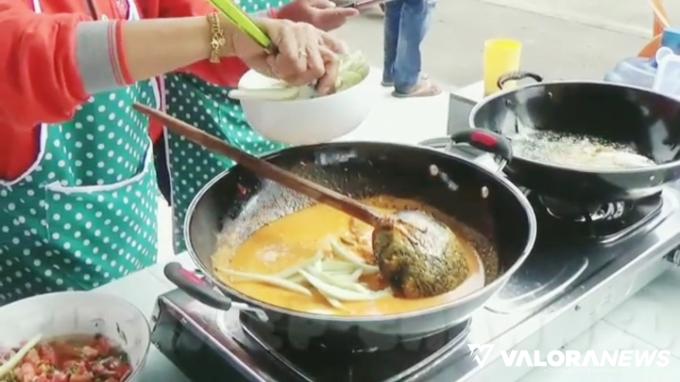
<point x="586" y="261"/>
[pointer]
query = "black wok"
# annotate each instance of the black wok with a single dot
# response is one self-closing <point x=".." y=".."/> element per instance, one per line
<point x="236" y="203"/>
<point x="616" y="113"/>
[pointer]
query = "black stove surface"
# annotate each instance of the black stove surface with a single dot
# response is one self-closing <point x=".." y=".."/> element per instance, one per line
<point x="200" y="353"/>
<point x="404" y="361"/>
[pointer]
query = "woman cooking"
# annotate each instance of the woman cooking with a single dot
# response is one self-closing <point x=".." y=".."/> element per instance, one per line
<point x="77" y="183"/>
<point x="205" y="104"/>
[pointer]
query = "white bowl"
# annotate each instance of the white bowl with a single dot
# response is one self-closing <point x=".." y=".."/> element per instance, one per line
<point x="72" y="313"/>
<point x="309" y="121"/>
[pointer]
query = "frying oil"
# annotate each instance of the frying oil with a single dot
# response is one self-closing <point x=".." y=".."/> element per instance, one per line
<point x="577" y="151"/>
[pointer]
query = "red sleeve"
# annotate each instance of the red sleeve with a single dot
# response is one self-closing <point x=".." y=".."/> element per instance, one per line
<point x="40" y="77"/>
<point x="226" y="73"/>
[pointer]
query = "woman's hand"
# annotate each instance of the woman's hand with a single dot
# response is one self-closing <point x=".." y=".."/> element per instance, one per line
<point x="323" y="14"/>
<point x="304" y="54"/>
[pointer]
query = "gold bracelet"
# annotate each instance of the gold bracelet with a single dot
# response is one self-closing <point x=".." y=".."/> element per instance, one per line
<point x="217" y="40"/>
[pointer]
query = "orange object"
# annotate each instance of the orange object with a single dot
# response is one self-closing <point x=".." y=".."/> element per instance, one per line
<point x="661" y="22"/>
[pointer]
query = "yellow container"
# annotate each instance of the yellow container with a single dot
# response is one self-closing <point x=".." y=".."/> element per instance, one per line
<point x="500" y="56"/>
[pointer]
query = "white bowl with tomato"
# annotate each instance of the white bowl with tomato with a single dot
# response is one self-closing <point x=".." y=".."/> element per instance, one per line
<point x="72" y="337"/>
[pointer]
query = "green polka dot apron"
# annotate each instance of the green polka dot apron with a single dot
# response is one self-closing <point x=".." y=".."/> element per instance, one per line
<point x="84" y="213"/>
<point x="190" y="166"/>
<point x="207" y="107"/>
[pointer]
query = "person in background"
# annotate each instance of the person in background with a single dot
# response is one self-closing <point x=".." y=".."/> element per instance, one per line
<point x="204" y="103"/>
<point x="78" y="193"/>
<point x="406" y="24"/>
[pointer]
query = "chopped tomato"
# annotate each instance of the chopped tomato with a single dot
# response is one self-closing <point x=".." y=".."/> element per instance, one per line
<point x="32" y="357"/>
<point x="60" y="377"/>
<point x="90" y="352"/>
<point x="45" y="368"/>
<point x="83" y="377"/>
<point x="28" y="371"/>
<point x="123" y="372"/>
<point x="102" y="345"/>
<point x="68" y="365"/>
<point x="77" y="368"/>
<point x="47" y="353"/>
<point x="112" y="362"/>
<point x="65" y="350"/>
<point x="100" y="370"/>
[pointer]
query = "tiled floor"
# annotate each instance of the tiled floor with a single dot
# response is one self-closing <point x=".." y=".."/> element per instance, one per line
<point x="653" y="314"/>
<point x="646" y="321"/>
<point x="604" y="336"/>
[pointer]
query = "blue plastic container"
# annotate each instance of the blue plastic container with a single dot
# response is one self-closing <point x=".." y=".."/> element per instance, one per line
<point x="671" y="39"/>
<point x="637" y="71"/>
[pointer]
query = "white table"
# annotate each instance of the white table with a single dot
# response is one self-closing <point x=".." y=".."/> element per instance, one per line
<point x="397" y="120"/>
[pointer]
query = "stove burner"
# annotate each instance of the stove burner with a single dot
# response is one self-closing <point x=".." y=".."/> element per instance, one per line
<point x="605" y="222"/>
<point x="404" y="360"/>
<point x="565" y="210"/>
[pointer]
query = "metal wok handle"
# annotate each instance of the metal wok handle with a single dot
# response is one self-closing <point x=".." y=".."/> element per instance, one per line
<point x="486" y="141"/>
<point x="197" y="288"/>
<point x="516" y="76"/>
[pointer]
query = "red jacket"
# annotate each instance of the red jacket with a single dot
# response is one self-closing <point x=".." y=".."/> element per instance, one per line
<point x="39" y="77"/>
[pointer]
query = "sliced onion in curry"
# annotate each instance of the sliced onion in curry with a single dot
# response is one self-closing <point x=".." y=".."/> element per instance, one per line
<point x="324" y="251"/>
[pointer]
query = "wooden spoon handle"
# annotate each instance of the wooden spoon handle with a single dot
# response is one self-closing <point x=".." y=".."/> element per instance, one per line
<point x="265" y="169"/>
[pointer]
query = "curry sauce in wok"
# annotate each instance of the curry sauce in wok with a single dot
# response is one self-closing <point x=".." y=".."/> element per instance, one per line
<point x="319" y="260"/>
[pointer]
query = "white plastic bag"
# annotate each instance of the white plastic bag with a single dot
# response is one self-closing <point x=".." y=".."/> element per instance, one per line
<point x="667" y="80"/>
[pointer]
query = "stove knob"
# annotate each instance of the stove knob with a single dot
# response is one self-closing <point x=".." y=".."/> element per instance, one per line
<point x="674" y="257"/>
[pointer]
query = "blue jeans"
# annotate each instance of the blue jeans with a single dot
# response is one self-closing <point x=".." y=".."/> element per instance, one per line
<point x="406" y="23"/>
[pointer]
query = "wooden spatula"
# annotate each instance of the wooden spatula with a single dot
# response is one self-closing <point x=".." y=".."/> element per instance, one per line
<point x="265" y="169"/>
<point x="417" y="255"/>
